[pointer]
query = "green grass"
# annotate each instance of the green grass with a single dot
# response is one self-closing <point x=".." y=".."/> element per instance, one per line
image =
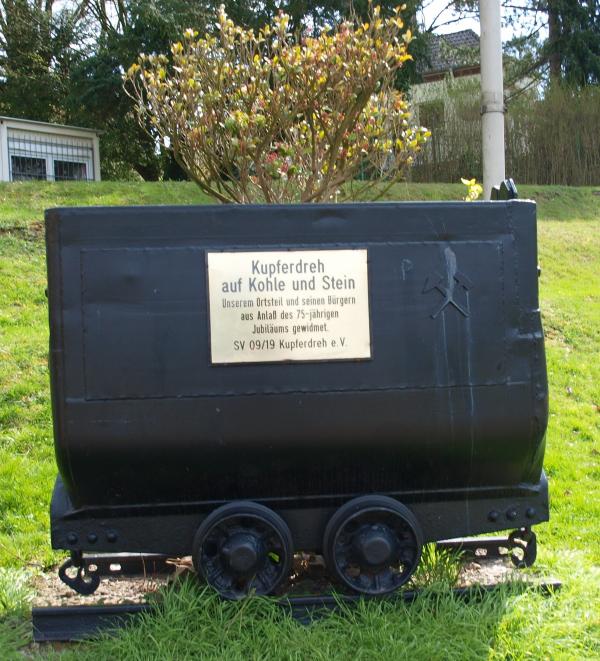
<point x="24" y="202"/>
<point x="15" y="595"/>
<point x="511" y="624"/>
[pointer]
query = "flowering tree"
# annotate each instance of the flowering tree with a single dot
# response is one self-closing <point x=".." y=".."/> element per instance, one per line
<point x="264" y="117"/>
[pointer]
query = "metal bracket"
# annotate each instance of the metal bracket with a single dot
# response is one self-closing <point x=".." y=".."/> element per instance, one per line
<point x="524" y="547"/>
<point x="506" y="190"/>
<point x="91" y="568"/>
<point x="84" y="581"/>
<point x="493" y="107"/>
<point x="520" y="546"/>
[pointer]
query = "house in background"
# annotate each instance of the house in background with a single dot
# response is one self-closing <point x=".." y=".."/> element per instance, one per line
<point x="448" y="103"/>
<point x="452" y="61"/>
<point x="32" y="150"/>
<point x="456" y="53"/>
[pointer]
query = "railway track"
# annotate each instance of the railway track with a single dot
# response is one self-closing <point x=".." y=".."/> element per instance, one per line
<point x="75" y="623"/>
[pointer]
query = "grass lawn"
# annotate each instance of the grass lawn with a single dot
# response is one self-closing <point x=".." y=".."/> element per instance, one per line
<point x="511" y="624"/>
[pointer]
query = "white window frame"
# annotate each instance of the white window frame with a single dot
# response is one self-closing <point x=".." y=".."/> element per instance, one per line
<point x="19" y="154"/>
<point x="84" y="161"/>
<point x="50" y="158"/>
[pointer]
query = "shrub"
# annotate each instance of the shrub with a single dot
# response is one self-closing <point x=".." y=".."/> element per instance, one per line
<point x="267" y="117"/>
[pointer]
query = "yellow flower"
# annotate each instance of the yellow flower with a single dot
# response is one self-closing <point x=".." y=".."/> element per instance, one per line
<point x="474" y="190"/>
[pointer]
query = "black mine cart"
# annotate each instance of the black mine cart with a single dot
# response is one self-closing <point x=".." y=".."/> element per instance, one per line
<point x="242" y="382"/>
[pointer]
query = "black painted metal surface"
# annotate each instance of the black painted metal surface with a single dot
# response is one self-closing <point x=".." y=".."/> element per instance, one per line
<point x="450" y="411"/>
<point x="73" y="623"/>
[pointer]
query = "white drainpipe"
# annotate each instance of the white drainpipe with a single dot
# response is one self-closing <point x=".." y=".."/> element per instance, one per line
<point x="492" y="95"/>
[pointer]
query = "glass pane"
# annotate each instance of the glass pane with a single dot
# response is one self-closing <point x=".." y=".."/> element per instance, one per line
<point x="69" y="170"/>
<point x="23" y="168"/>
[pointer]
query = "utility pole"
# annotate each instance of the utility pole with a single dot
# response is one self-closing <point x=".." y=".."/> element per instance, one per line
<point x="492" y="95"/>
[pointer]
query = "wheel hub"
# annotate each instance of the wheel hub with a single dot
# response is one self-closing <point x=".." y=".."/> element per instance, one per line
<point x="242" y="552"/>
<point x="375" y="545"/>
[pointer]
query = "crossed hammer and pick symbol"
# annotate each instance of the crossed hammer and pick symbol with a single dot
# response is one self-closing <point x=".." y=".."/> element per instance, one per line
<point x="451" y="285"/>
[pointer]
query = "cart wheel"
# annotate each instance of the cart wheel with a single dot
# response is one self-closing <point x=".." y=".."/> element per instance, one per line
<point x="243" y="548"/>
<point x="373" y="544"/>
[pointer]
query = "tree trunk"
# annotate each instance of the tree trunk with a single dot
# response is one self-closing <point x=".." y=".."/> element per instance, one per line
<point x="554" y="57"/>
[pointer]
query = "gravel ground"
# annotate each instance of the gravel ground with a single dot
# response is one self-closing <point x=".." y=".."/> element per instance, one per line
<point x="51" y="591"/>
<point x="309" y="577"/>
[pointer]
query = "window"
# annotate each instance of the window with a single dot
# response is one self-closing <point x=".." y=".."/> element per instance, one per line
<point x="25" y="167"/>
<point x="69" y="170"/>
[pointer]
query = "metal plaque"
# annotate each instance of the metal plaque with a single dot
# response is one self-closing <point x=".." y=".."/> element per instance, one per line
<point x="293" y="305"/>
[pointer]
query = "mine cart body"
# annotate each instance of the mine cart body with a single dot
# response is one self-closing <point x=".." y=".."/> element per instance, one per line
<point x="443" y="406"/>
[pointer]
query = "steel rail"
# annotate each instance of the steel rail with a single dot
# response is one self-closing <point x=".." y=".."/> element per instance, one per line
<point x="72" y="623"/>
<point x="76" y="623"/>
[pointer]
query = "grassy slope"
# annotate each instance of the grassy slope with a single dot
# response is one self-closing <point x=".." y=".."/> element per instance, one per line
<point x="23" y="203"/>
<point x="513" y="624"/>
